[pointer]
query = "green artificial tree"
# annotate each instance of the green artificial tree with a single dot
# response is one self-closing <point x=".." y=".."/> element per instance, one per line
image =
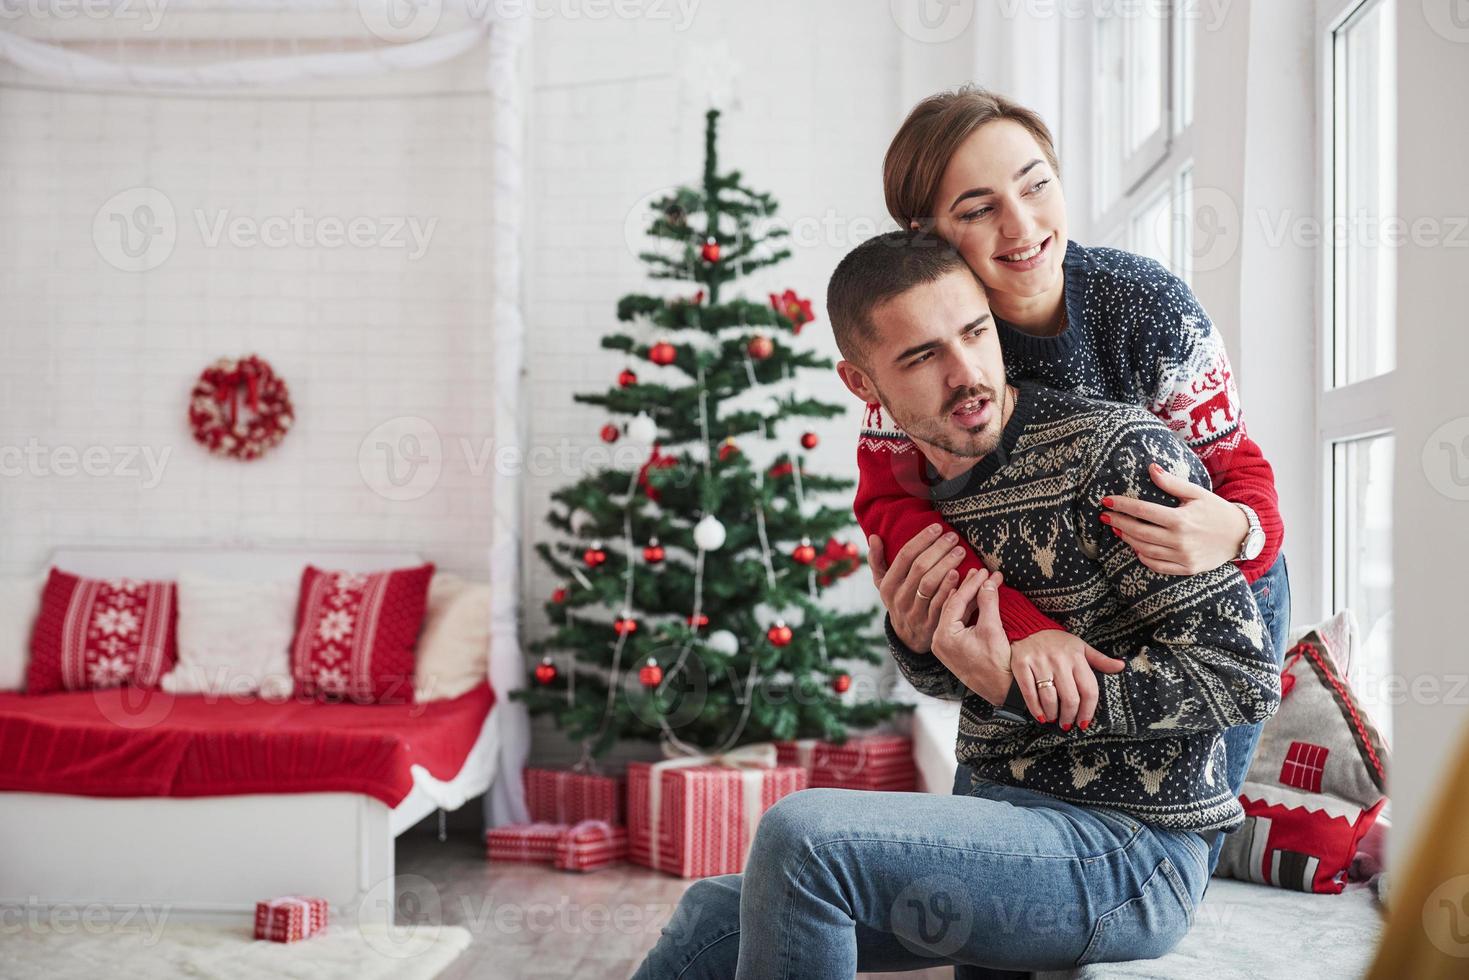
<point x="691" y="608"/>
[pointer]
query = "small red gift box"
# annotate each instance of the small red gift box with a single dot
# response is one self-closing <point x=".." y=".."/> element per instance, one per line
<point x="289" y="918"/>
<point x="696" y="816"/>
<point x="590" y="845"/>
<point x="524" y="841"/>
<point x="565" y="796"/>
<point x="871" y="762"/>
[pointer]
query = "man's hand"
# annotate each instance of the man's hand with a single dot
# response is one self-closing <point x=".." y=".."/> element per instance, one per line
<point x="1069" y="661"/>
<point x="925" y="566"/>
<point x="978" y="655"/>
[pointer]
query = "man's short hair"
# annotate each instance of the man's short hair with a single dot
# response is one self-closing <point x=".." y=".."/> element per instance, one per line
<point x="876" y="271"/>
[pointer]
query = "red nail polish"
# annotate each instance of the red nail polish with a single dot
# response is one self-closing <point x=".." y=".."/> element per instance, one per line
<point x="1106" y="518"/>
<point x="1083" y="723"/>
<point x="1106" y="501"/>
<point x="1117" y="532"/>
<point x="1066" y="726"/>
<point x="1041" y="719"/>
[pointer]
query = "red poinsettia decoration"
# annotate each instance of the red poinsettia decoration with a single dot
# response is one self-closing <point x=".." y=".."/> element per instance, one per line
<point x="793" y="308"/>
<point x="838" y="560"/>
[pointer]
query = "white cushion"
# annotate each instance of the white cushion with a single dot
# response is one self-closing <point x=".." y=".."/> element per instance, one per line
<point x="20" y="602"/>
<point x="453" y="655"/>
<point x="234" y="637"/>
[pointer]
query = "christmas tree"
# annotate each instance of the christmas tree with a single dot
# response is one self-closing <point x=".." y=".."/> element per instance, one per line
<point x="691" y="607"/>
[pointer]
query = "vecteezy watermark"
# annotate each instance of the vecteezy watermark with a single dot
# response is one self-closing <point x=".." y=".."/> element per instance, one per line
<point x="1449" y="19"/>
<point x="401" y="916"/>
<point x="91" y="918"/>
<point x="565" y="917"/>
<point x="1209" y="13"/>
<point x="1364" y="229"/>
<point x="932" y="21"/>
<point x="37" y="460"/>
<point x="401" y="21"/>
<point x="150" y="12"/>
<point x="1446" y="458"/>
<point x="933" y="915"/>
<point x="137" y="230"/>
<point x="1446" y="916"/>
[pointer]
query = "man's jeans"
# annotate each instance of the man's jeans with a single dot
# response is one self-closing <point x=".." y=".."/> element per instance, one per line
<point x="844" y="880"/>
<point x="1272" y="595"/>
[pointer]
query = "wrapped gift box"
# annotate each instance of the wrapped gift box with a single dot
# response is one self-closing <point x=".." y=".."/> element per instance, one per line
<point x="566" y="796"/>
<point x="695" y="819"/>
<point x="290" y="918"/>
<point x="591" y="844"/>
<point x="872" y="762"/>
<point x="534" y="842"/>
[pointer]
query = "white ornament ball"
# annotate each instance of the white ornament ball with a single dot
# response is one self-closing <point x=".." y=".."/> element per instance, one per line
<point x="709" y="533"/>
<point x="642" y="429"/>
<point x="723" y="641"/>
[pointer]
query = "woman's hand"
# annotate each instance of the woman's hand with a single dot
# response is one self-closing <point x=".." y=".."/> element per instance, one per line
<point x="1203" y="532"/>
<point x="1069" y="661"/>
<point x="924" y="567"/>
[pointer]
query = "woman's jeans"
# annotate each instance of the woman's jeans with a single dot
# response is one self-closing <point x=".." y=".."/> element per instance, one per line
<point x="842" y="880"/>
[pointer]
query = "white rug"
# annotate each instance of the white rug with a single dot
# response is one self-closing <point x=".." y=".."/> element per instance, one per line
<point x="148" y="952"/>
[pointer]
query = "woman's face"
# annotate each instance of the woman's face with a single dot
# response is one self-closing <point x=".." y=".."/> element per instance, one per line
<point x="1000" y="204"/>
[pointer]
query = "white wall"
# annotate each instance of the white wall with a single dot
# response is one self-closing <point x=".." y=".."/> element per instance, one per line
<point x="97" y="359"/>
<point x="618" y="113"/>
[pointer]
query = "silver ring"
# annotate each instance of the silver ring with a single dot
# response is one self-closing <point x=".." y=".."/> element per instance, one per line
<point x="1048" y="682"/>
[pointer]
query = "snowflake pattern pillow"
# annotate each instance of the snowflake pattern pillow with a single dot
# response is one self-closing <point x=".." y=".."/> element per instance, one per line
<point x="355" y="632"/>
<point x="95" y="633"/>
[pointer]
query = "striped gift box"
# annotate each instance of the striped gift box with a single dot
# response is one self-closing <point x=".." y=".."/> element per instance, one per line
<point x="706" y="815"/>
<point x="533" y="842"/>
<point x="871" y="762"/>
<point x="565" y="796"/>
<point x="590" y="845"/>
<point x="290" y="918"/>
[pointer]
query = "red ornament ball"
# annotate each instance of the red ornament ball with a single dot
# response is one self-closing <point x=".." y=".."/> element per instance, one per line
<point x="850" y="549"/>
<point x="545" y="671"/>
<point x="701" y="623"/>
<point x="651" y="674"/>
<point x="627" y="377"/>
<point x="610" y="433"/>
<point x="662" y="353"/>
<point x="760" y="347"/>
<point x="841" y="682"/>
<point x="728" y="449"/>
<point x="559" y="596"/>
<point x="625" y="624"/>
<point x="710" y="251"/>
<point x="653" y="553"/>
<point x="780" y="634"/>
<point x="594" y="555"/>
<point x="805" y="552"/>
<point x="809" y="440"/>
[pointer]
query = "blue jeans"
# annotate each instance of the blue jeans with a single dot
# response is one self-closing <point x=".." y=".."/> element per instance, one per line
<point x="845" y="880"/>
<point x="1272" y="595"/>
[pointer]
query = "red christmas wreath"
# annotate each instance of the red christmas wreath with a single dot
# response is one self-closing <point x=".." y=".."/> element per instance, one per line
<point x="215" y="415"/>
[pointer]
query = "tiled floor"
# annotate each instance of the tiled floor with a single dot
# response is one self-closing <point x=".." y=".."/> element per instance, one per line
<point x="532" y="922"/>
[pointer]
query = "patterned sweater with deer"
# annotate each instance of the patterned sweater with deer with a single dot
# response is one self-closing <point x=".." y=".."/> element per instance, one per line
<point x="1197" y="653"/>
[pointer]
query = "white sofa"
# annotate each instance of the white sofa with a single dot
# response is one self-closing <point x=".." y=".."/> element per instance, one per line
<point x="1241" y="930"/>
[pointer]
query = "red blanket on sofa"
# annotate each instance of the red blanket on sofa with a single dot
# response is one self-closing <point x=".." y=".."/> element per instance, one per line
<point x="148" y="743"/>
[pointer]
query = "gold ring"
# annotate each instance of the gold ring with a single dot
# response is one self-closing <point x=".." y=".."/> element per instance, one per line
<point x="1048" y="682"/>
<point x="921" y="595"/>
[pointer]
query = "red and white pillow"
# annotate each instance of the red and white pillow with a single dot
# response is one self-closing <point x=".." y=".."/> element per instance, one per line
<point x="96" y="633"/>
<point x="356" y="631"/>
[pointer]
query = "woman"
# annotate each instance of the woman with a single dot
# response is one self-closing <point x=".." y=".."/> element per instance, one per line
<point x="981" y="172"/>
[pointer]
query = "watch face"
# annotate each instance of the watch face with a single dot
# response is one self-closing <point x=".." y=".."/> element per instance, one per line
<point x="1254" y="544"/>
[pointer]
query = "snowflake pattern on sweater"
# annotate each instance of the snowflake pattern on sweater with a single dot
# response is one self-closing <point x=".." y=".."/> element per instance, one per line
<point x="1198" y="657"/>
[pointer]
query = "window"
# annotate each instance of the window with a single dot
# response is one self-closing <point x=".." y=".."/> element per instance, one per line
<point x="1357" y="329"/>
<point x="1142" y="56"/>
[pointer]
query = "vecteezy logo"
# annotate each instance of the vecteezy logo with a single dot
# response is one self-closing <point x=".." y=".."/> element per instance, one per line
<point x="1210" y="221"/>
<point x="402" y="458"/>
<point x="932" y="916"/>
<point x="135" y="230"/>
<point x="1449" y="19"/>
<point x="400" y="21"/>
<point x="401" y="916"/>
<point x="932" y="21"/>
<point x="1446" y="459"/>
<point x="1446" y="916"/>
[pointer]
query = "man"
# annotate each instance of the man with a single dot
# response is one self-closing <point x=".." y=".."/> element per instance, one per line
<point x="1076" y="846"/>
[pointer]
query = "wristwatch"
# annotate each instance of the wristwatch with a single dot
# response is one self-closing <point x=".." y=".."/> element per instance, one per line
<point x="1254" y="542"/>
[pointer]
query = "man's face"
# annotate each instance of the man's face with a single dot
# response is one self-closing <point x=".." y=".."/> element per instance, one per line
<point x="935" y="366"/>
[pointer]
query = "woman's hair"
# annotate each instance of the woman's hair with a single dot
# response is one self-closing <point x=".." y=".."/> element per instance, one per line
<point x="931" y="135"/>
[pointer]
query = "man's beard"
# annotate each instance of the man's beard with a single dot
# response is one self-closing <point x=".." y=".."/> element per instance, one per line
<point x="939" y="431"/>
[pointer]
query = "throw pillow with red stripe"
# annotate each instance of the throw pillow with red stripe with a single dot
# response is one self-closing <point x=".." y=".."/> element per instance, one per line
<point x="356" y="632"/>
<point x="96" y="633"/>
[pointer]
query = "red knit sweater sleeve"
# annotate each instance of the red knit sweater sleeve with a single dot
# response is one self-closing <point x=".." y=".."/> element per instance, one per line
<point x="1241" y="474"/>
<point x="892" y="502"/>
